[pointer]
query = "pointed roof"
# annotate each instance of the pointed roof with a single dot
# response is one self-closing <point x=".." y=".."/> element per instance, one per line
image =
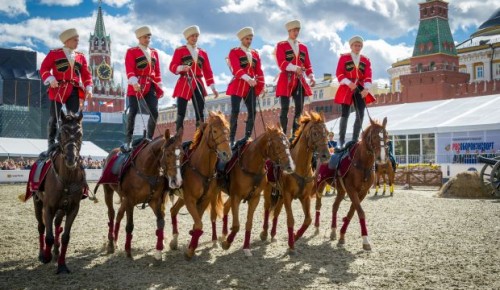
<point x="100" y="30"/>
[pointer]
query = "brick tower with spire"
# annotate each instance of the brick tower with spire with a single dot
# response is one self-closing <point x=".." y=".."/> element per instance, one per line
<point x="108" y="95"/>
<point x="434" y="63"/>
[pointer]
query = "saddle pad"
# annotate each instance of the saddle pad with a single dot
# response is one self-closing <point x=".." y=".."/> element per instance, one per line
<point x="324" y="173"/>
<point x="37" y="177"/>
<point x="237" y="153"/>
<point x="118" y="164"/>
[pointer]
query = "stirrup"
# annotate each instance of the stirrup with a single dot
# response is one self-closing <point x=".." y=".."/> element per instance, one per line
<point x="126" y="147"/>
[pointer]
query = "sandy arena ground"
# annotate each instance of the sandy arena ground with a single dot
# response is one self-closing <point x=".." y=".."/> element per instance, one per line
<point x="418" y="241"/>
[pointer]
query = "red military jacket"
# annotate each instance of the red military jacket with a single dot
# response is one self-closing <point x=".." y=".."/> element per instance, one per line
<point x="201" y="69"/>
<point x="56" y="64"/>
<point x="287" y="80"/>
<point x="361" y="75"/>
<point x="240" y="65"/>
<point x="147" y="73"/>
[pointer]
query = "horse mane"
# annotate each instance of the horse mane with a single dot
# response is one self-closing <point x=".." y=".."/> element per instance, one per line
<point x="304" y="120"/>
<point x="198" y="136"/>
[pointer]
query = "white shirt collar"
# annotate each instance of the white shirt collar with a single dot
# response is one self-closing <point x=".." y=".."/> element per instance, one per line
<point x="246" y="49"/>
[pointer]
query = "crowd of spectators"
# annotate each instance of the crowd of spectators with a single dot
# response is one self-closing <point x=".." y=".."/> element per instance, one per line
<point x="25" y="164"/>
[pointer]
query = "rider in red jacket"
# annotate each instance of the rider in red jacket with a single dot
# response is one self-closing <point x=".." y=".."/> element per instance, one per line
<point x="67" y="74"/>
<point x="247" y="82"/>
<point x="354" y="73"/>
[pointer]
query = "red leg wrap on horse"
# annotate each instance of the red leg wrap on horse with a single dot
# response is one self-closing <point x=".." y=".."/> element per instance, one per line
<point x="224" y="225"/>
<point x="301" y="231"/>
<point x="41" y="241"/>
<point x="291" y="238"/>
<point x="174" y="225"/>
<point x="334" y="221"/>
<point x="128" y="242"/>
<point x="62" y="255"/>
<point x="195" y="236"/>
<point x="246" y="243"/>
<point x="117" y="230"/>
<point x="159" y="239"/>
<point x="214" y="231"/>
<point x="275" y="224"/>
<point x="266" y="220"/>
<point x="345" y="225"/>
<point x="316" y="219"/>
<point x="48" y="251"/>
<point x="364" y="230"/>
<point x="231" y="236"/>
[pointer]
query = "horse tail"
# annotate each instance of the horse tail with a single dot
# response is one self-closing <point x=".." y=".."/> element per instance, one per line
<point x="275" y="198"/>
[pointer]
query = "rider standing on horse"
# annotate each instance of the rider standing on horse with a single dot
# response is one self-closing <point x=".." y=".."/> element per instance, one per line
<point x="63" y="69"/>
<point x="144" y="82"/>
<point x="293" y="61"/>
<point x="192" y="64"/>
<point x="247" y="83"/>
<point x="354" y="74"/>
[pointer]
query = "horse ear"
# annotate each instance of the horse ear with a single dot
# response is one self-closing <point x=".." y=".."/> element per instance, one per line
<point x="322" y="116"/>
<point x="211" y="113"/>
<point x="167" y="134"/>
<point x="371" y="121"/>
<point x="80" y="116"/>
<point x="384" y="122"/>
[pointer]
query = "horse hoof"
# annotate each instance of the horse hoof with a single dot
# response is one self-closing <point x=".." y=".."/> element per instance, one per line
<point x="173" y="245"/>
<point x="158" y="255"/>
<point x="247" y="252"/>
<point x="215" y="244"/>
<point x="263" y="236"/>
<point x="273" y="240"/>
<point x="129" y="254"/>
<point x="341" y="242"/>
<point x="62" y="269"/>
<point x="188" y="254"/>
<point x="44" y="259"/>
<point x="333" y="235"/>
<point x="392" y="193"/>
<point x="291" y="252"/>
<point x="367" y="247"/>
<point x="316" y="231"/>
<point x="226" y="245"/>
<point x="110" y="249"/>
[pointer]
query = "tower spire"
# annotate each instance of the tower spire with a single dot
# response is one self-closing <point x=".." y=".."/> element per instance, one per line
<point x="100" y="30"/>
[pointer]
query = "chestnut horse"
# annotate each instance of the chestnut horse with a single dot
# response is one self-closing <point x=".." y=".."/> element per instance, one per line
<point x="65" y="184"/>
<point x="383" y="170"/>
<point x="145" y="182"/>
<point x="248" y="177"/>
<point x="359" y="178"/>
<point x="310" y="138"/>
<point x="210" y="142"/>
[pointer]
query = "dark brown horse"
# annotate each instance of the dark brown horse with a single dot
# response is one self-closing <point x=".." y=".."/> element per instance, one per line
<point x="155" y="169"/>
<point x="65" y="184"/>
<point x="211" y="142"/>
<point x="310" y="138"/>
<point x="248" y="177"/>
<point x="382" y="170"/>
<point x="359" y="178"/>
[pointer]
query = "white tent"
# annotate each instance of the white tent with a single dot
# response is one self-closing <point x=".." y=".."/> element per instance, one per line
<point x="444" y="116"/>
<point x="17" y="147"/>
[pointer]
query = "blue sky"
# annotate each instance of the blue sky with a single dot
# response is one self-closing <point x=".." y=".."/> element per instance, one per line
<point x="388" y="27"/>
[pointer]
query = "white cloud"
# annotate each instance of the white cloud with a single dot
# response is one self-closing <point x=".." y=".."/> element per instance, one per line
<point x="116" y="3"/>
<point x="244" y="6"/>
<point x="61" y="2"/>
<point x="13" y="7"/>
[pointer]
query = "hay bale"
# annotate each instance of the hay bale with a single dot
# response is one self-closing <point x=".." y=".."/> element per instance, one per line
<point x="465" y="185"/>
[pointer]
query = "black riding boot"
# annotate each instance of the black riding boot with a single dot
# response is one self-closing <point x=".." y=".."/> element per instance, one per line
<point x="295" y="127"/>
<point x="151" y="128"/>
<point x="129" y="132"/>
<point x="233" y="126"/>
<point x="342" y="129"/>
<point x="249" y="127"/>
<point x="356" y="129"/>
<point x="51" y="134"/>
<point x="179" y="123"/>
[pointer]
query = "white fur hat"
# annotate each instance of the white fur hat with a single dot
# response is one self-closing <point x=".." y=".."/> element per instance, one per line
<point x="245" y="31"/>
<point x="292" y="24"/>
<point x="190" y="31"/>
<point x="68" y="34"/>
<point x="356" y="38"/>
<point x="141" y="31"/>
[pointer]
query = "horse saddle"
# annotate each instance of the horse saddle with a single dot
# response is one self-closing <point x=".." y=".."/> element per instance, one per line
<point x="119" y="163"/>
<point x="37" y="177"/>
<point x="339" y="155"/>
<point x="339" y="164"/>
